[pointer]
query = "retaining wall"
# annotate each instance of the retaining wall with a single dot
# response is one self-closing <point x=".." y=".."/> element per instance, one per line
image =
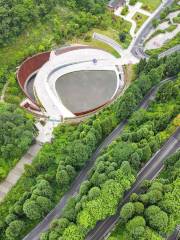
<point x="29" y="66"/>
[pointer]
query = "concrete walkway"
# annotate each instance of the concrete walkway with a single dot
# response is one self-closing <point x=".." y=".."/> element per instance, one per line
<point x="3" y="92"/>
<point x="146" y="26"/>
<point x="18" y="170"/>
<point x="109" y="41"/>
<point x="129" y="17"/>
<point x="160" y="39"/>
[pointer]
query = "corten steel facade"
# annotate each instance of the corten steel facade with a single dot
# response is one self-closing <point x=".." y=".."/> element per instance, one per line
<point x="29" y="66"/>
<point x="34" y="63"/>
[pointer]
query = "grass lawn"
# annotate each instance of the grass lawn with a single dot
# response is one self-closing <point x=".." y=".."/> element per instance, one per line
<point x="114" y="31"/>
<point x="140" y="19"/>
<point x="98" y="44"/>
<point x="150" y="5"/>
<point x="130" y="73"/>
<point x="171" y="28"/>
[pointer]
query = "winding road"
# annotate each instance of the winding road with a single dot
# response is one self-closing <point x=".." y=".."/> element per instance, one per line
<point x="83" y="175"/>
<point x="149" y="172"/>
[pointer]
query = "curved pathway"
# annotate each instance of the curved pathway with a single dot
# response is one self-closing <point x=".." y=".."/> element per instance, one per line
<point x="83" y="175"/>
<point x="135" y="51"/>
<point x="109" y="41"/>
<point x="3" y="92"/>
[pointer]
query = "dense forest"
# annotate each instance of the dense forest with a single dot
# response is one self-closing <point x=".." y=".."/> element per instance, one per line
<point x="154" y="213"/>
<point x="15" y="16"/>
<point x="56" y="165"/>
<point x="16" y="134"/>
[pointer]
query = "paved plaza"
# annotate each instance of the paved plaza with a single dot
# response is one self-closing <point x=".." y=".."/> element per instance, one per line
<point x="84" y="90"/>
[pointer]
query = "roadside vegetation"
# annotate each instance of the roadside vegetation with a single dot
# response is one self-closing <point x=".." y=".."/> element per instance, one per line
<point x="125" y="11"/>
<point x="59" y="162"/>
<point x="154" y="213"/>
<point x="116" y="168"/>
<point x="171" y="28"/>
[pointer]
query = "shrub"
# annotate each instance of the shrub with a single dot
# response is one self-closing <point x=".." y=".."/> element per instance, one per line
<point x="14" y="229"/>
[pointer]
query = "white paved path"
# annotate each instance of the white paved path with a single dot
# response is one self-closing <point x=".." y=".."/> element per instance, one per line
<point x="146" y="23"/>
<point x="109" y="41"/>
<point x="160" y="39"/>
<point x="18" y="170"/>
<point x="3" y="92"/>
<point x="129" y="17"/>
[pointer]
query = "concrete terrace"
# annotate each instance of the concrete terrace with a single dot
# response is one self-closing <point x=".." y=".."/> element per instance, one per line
<point x="77" y="60"/>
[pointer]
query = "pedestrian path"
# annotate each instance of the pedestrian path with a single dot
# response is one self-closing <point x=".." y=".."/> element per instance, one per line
<point x="109" y="41"/>
<point x="3" y="92"/>
<point x="18" y="170"/>
<point x="132" y="10"/>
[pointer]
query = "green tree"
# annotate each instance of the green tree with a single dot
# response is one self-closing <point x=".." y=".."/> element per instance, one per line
<point x="73" y="232"/>
<point x="139" y="208"/>
<point x="32" y="210"/>
<point x="156" y="218"/>
<point x="127" y="211"/>
<point x="44" y="203"/>
<point x="136" y="227"/>
<point x="132" y="2"/>
<point x="62" y="178"/>
<point x="14" y="229"/>
<point x="93" y="193"/>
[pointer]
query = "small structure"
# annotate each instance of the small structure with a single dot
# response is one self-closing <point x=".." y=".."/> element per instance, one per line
<point x="115" y="4"/>
<point x="94" y="60"/>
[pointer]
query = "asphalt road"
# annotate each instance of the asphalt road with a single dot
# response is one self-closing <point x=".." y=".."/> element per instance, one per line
<point x="149" y="171"/>
<point x="176" y="234"/>
<point x="83" y="175"/>
<point x="137" y="49"/>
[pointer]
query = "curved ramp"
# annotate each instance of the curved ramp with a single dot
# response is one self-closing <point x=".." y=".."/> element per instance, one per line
<point x="109" y="41"/>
